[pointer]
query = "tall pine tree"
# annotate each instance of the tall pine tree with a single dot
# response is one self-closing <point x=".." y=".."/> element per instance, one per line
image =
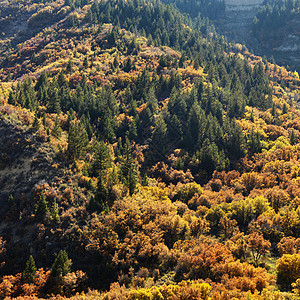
<point x="128" y="168"/>
<point x="30" y="270"/>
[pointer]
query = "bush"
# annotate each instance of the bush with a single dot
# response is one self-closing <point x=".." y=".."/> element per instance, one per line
<point x="288" y="269"/>
<point x="185" y="192"/>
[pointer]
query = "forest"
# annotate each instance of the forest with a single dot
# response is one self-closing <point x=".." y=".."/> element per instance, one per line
<point x="143" y="156"/>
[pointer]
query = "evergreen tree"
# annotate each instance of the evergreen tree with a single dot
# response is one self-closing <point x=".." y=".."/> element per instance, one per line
<point x="128" y="65"/>
<point x="54" y="102"/>
<point x="99" y="202"/>
<point x="12" y="98"/>
<point x="42" y="82"/>
<point x="77" y="141"/>
<point x="151" y="99"/>
<point x="56" y="131"/>
<point x="293" y="138"/>
<point x="61" y="265"/>
<point x="54" y="212"/>
<point x="102" y="159"/>
<point x="71" y="116"/>
<point x="61" y="79"/>
<point x="36" y="123"/>
<point x="41" y="207"/>
<point x="69" y="66"/>
<point x="30" y="270"/>
<point x="181" y="60"/>
<point x="284" y="109"/>
<point x="254" y="142"/>
<point x="85" y="62"/>
<point x="116" y="62"/>
<point x="210" y="158"/>
<point x="128" y="168"/>
<point x="159" y="136"/>
<point x="145" y="181"/>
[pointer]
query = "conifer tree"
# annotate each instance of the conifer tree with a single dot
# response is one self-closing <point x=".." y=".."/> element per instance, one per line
<point x="54" y="212"/>
<point x="54" y="103"/>
<point x="116" y="62"/>
<point x="30" y="270"/>
<point x="85" y="62"/>
<point x="181" y="60"/>
<point x="77" y="141"/>
<point x="56" y="131"/>
<point x="128" y="65"/>
<point x="293" y="139"/>
<point x="12" y="98"/>
<point x="254" y="142"/>
<point x="128" y="168"/>
<point x="69" y="66"/>
<point x="284" y="109"/>
<point x="102" y="159"/>
<point x="42" y="81"/>
<point x="61" y="79"/>
<point x="61" y="265"/>
<point x="99" y="202"/>
<point x="159" y="137"/>
<point x="101" y="164"/>
<point x="151" y="99"/>
<point x="41" y="207"/>
<point x="132" y="132"/>
<point x="89" y="16"/>
<point x="71" y="116"/>
<point x="145" y="181"/>
<point x="36" y="123"/>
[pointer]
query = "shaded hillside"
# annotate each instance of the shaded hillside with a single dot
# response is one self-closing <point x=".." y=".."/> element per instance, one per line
<point x="26" y="160"/>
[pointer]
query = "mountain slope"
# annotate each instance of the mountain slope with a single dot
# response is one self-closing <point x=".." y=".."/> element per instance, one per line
<point x="161" y="158"/>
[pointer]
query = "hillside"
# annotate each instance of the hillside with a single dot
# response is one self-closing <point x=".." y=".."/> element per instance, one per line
<point x="142" y="156"/>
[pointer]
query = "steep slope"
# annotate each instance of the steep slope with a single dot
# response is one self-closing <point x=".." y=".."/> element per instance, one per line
<point x="25" y="160"/>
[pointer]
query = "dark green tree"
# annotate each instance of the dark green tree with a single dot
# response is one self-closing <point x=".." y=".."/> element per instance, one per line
<point x="128" y="168"/>
<point x="128" y="65"/>
<point x="30" y="270"/>
<point x="254" y="142"/>
<point x="36" y="123"/>
<point x="61" y="265"/>
<point x="69" y="66"/>
<point x="102" y="160"/>
<point x="12" y="98"/>
<point x="85" y="62"/>
<point x="181" y="60"/>
<point x="101" y="163"/>
<point x="41" y="208"/>
<point x="293" y="138"/>
<point x="116" y="62"/>
<point x="42" y="82"/>
<point x="54" y="212"/>
<point x="77" y="141"/>
<point x="54" y="102"/>
<point x="56" y="131"/>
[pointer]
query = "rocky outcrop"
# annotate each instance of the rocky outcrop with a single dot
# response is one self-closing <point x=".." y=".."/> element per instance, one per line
<point x="283" y="44"/>
<point x="241" y="5"/>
